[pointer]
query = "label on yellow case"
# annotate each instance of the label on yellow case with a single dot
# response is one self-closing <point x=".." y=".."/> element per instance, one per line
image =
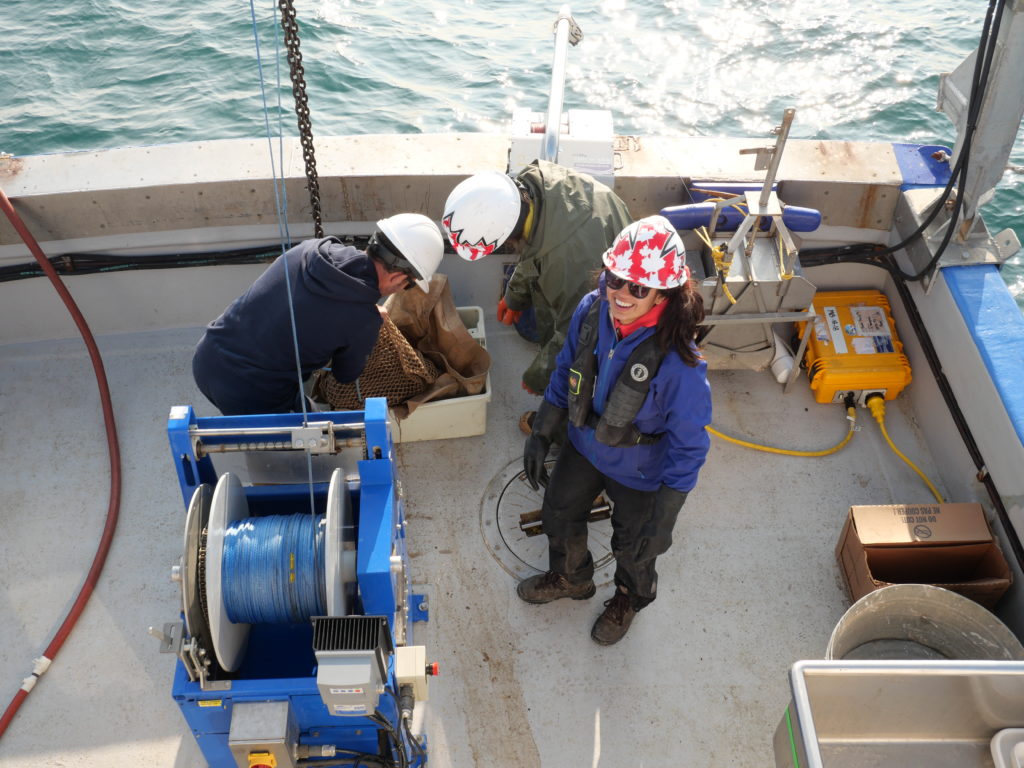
<point x="870" y="321"/>
<point x="835" y="328"/>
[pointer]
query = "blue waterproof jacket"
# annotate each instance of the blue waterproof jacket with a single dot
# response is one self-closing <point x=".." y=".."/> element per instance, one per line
<point x="245" y="361"/>
<point x="678" y="406"/>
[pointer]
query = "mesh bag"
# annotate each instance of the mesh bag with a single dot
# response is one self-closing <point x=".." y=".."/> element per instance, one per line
<point x="394" y="370"/>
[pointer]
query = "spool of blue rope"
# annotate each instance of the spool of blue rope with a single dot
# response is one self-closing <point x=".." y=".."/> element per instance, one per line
<point x="273" y="569"/>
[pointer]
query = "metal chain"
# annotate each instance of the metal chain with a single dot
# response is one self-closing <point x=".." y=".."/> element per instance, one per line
<point x="291" y="41"/>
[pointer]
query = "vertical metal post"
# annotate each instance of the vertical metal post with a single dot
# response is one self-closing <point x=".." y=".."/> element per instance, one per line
<point x="566" y="31"/>
<point x="773" y="166"/>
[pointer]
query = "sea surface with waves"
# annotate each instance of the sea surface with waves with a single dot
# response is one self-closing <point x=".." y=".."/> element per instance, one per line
<point x="83" y="75"/>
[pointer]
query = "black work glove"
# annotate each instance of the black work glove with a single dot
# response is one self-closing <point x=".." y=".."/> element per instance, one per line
<point x="535" y="452"/>
<point x="546" y="424"/>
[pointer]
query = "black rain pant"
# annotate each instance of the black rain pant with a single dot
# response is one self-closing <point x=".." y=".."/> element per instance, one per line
<point x="640" y="530"/>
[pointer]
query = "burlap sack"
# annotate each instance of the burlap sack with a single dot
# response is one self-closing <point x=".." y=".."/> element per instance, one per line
<point x="431" y="322"/>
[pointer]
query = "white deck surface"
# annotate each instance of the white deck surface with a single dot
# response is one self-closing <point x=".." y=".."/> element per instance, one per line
<point x="749" y="587"/>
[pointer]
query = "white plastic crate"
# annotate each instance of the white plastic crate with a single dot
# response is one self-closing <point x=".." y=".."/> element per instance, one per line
<point x="457" y="416"/>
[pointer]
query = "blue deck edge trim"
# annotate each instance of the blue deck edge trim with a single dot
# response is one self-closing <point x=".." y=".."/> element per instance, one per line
<point x="919" y="167"/>
<point x="997" y="326"/>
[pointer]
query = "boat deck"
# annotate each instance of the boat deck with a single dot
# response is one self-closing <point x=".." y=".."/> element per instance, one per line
<point x="749" y="587"/>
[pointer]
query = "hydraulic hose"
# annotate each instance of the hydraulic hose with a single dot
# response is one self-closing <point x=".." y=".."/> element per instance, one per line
<point x="876" y="405"/>
<point x="851" y="414"/>
<point x="43" y="663"/>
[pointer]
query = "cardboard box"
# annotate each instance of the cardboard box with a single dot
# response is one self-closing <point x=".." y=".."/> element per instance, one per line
<point x="946" y="545"/>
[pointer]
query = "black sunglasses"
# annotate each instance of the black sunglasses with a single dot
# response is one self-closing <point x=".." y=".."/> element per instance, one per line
<point x="410" y="280"/>
<point x="614" y="282"/>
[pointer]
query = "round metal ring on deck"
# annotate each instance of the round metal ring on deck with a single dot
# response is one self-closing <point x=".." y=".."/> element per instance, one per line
<point x="228" y="506"/>
<point x="507" y="498"/>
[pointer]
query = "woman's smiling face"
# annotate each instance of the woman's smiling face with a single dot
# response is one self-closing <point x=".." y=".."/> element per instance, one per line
<point x="627" y="308"/>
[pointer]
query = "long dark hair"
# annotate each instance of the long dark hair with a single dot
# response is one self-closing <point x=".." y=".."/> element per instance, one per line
<point x="677" y="326"/>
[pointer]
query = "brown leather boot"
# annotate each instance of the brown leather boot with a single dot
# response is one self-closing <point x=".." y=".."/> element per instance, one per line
<point x="612" y="625"/>
<point x="545" y="587"/>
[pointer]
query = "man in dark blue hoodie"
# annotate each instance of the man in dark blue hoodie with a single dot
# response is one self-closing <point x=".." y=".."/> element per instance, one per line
<point x="247" y="361"/>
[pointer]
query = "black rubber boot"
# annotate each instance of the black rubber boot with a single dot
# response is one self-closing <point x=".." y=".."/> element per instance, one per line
<point x="546" y="587"/>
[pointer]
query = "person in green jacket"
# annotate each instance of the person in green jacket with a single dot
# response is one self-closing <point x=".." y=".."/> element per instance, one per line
<point x="559" y="222"/>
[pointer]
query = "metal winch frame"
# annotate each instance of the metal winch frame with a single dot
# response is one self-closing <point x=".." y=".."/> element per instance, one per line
<point x="340" y="466"/>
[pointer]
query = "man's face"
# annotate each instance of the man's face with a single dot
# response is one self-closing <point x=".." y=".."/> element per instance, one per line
<point x="394" y="282"/>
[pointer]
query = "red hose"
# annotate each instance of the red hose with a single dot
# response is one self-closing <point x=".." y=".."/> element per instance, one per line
<point x="115" y="462"/>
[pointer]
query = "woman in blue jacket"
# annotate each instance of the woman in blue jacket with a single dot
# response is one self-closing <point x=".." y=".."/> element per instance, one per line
<point x="633" y="388"/>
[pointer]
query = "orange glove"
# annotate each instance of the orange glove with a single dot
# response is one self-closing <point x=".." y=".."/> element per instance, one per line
<point x="506" y="315"/>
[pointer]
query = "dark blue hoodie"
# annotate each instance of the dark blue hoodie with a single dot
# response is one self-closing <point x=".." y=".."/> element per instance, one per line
<point x="245" y="361"/>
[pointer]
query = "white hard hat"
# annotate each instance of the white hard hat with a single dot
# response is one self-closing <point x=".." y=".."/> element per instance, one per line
<point x="481" y="213"/>
<point x="418" y="241"/>
<point x="649" y="252"/>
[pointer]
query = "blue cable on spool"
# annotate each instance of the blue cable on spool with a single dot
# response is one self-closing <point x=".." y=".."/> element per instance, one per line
<point x="273" y="569"/>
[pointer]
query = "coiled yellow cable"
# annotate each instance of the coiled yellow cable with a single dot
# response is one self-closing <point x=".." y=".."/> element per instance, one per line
<point x="877" y="406"/>
<point x="851" y="414"/>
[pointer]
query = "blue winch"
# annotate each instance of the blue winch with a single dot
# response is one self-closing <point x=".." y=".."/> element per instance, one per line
<point x="295" y="645"/>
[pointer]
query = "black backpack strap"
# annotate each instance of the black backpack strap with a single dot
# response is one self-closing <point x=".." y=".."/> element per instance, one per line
<point x="584" y="367"/>
<point x="615" y="427"/>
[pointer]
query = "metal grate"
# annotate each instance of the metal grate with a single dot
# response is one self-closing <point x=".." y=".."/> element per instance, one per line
<point x="351" y="633"/>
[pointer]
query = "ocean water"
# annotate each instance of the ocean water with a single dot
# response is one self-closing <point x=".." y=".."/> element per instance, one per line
<point x="84" y="74"/>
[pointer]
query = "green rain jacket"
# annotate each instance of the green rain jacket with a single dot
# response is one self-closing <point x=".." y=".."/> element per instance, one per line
<point x="576" y="219"/>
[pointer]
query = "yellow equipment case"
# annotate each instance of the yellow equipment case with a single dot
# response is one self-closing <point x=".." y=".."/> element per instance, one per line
<point x="853" y="348"/>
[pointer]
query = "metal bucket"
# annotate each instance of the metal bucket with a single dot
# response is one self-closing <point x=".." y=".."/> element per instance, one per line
<point x="919" y="621"/>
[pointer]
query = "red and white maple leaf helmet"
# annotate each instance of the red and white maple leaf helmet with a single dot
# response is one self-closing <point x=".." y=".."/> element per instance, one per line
<point x="649" y="252"/>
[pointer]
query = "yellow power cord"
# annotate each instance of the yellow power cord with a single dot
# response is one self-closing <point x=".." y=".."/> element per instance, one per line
<point x="877" y="406"/>
<point x="851" y="414"/>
